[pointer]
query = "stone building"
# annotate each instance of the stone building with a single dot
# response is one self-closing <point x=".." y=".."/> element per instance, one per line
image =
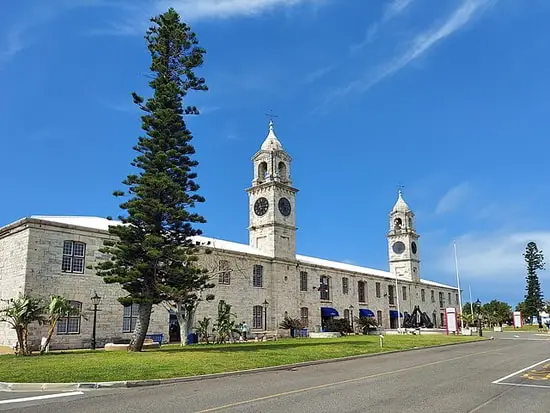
<point x="263" y="281"/>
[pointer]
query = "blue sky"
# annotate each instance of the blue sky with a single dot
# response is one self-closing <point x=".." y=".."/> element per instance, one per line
<point x="448" y="98"/>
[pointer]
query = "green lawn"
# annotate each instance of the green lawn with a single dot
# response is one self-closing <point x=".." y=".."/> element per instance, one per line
<point x="527" y="327"/>
<point x="174" y="361"/>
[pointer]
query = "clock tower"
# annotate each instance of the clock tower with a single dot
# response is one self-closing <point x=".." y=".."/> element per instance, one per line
<point x="272" y="201"/>
<point x="404" y="255"/>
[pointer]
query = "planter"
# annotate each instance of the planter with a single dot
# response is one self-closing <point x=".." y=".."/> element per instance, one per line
<point x="497" y="329"/>
<point x="466" y="332"/>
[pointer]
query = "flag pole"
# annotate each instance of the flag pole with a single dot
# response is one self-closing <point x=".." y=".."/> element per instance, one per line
<point x="471" y="302"/>
<point x="459" y="291"/>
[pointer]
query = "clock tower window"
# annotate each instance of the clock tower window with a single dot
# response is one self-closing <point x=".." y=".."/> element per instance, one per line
<point x="262" y="171"/>
<point x="282" y="171"/>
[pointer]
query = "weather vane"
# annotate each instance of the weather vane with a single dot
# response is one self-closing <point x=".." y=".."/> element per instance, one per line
<point x="270" y="115"/>
<point x="400" y="188"/>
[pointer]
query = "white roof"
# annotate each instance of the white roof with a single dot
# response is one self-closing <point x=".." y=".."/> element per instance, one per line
<point x="271" y="142"/>
<point x="103" y="224"/>
<point x="86" y="222"/>
<point x="400" y="205"/>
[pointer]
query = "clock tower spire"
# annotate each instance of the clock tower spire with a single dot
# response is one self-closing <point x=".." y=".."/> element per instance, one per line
<point x="404" y="255"/>
<point x="272" y="200"/>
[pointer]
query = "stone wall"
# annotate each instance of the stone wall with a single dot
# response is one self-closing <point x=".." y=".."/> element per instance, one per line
<point x="14" y="241"/>
<point x="45" y="277"/>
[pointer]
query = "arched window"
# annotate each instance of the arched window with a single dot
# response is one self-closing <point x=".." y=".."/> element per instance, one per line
<point x="258" y="276"/>
<point x="304" y="317"/>
<point x="361" y="292"/>
<point x="257" y="319"/>
<point x="346" y="314"/>
<point x="262" y="171"/>
<point x="325" y="288"/>
<point x="282" y="171"/>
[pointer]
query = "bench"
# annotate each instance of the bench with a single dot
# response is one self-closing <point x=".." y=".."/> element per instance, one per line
<point x="265" y="335"/>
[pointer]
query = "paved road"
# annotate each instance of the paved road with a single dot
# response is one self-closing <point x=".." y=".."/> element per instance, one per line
<point x="452" y="379"/>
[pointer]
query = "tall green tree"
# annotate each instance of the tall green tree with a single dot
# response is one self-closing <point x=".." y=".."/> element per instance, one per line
<point x="152" y="248"/>
<point x="496" y="312"/>
<point x="534" y="302"/>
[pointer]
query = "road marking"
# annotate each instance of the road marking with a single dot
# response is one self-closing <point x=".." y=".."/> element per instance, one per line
<point x="324" y="386"/>
<point x="47" y="396"/>
<point x="519" y="371"/>
<point x="492" y="399"/>
<point x="524" y="339"/>
<point x="538" y="386"/>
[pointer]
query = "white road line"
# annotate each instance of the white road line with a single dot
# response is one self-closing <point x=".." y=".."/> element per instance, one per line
<point x="538" y="386"/>
<point x="519" y="371"/>
<point x="47" y="396"/>
<point x="523" y="339"/>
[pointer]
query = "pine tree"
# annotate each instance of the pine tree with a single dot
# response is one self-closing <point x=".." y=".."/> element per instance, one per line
<point x="534" y="259"/>
<point x="152" y="248"/>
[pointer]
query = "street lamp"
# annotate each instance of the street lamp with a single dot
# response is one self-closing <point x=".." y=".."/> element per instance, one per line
<point x="265" y="314"/>
<point x="96" y="299"/>
<point x="351" y="315"/>
<point x="478" y="306"/>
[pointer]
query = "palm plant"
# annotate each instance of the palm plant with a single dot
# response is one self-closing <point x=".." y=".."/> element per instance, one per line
<point x="203" y="329"/>
<point x="291" y="324"/>
<point x="365" y="323"/>
<point x="225" y="323"/>
<point x="19" y="313"/>
<point x="57" y="308"/>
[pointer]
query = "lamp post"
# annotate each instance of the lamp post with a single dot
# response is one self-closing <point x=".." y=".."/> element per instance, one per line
<point x="478" y="305"/>
<point x="96" y="299"/>
<point x="351" y="316"/>
<point x="265" y="314"/>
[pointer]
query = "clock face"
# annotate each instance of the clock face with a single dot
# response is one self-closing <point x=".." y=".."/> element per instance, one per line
<point x="413" y="247"/>
<point x="261" y="206"/>
<point x="284" y="207"/>
<point x="398" y="247"/>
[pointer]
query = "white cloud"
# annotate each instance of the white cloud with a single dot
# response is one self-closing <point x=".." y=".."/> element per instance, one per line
<point x="138" y="12"/>
<point x="317" y="74"/>
<point x="453" y="198"/>
<point x="394" y="9"/>
<point x="467" y="10"/>
<point x="492" y="257"/>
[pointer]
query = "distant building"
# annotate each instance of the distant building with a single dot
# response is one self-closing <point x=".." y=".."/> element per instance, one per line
<point x="45" y="255"/>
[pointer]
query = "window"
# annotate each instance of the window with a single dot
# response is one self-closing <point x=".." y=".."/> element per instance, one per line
<point x="391" y="298"/>
<point x="433" y="296"/>
<point x="456" y="299"/>
<point x="325" y="288"/>
<point x="379" y="317"/>
<point x="378" y="294"/>
<point x="345" y="285"/>
<point x="434" y="319"/>
<point x="442" y="317"/>
<point x="225" y="273"/>
<point x="303" y="281"/>
<point x="129" y="318"/>
<point x="404" y="292"/>
<point x="304" y="317"/>
<point x="449" y="295"/>
<point x="423" y="295"/>
<point x="257" y="319"/>
<point x="441" y="300"/>
<point x="73" y="257"/>
<point x="70" y="324"/>
<point x="346" y="314"/>
<point x="258" y="276"/>
<point x="361" y="292"/>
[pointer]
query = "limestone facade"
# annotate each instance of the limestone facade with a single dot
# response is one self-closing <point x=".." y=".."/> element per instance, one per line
<point x="45" y="255"/>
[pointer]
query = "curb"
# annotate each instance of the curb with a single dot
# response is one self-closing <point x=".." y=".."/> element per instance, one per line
<point x="84" y="386"/>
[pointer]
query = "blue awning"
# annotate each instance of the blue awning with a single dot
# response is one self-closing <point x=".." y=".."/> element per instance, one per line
<point x="365" y="312"/>
<point x="329" y="312"/>
<point x="393" y="314"/>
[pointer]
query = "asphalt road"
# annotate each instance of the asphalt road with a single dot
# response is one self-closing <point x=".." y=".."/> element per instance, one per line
<point x="481" y="377"/>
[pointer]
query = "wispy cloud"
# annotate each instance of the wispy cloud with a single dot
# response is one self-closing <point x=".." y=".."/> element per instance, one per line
<point x="394" y="9"/>
<point x="317" y="74"/>
<point x="453" y="198"/>
<point x="139" y="11"/>
<point x="468" y="10"/>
